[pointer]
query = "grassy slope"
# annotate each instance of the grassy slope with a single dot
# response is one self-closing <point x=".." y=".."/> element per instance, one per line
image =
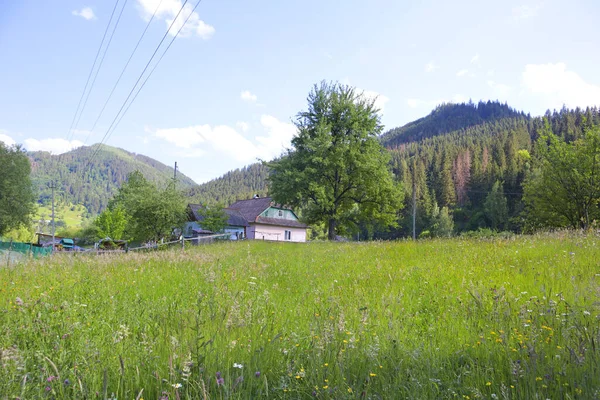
<point x="73" y="218"/>
<point x="433" y="319"/>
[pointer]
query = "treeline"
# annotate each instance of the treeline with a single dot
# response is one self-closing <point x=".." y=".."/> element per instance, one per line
<point x="235" y="185"/>
<point x="95" y="184"/>
<point x="477" y="173"/>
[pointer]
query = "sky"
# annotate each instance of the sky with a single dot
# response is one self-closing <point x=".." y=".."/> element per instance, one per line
<point x="226" y="92"/>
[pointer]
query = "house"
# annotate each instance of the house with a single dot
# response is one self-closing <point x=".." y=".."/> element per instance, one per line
<point x="256" y="218"/>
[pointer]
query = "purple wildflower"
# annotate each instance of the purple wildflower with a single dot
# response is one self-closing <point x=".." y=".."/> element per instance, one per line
<point x="48" y="388"/>
<point x="67" y="382"/>
<point x="220" y="380"/>
<point x="51" y="378"/>
<point x="257" y="374"/>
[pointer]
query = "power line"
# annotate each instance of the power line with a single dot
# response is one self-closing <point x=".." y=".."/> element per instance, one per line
<point x="92" y="70"/>
<point x="123" y="71"/>
<point x="120" y="115"/>
<point x="101" y="62"/>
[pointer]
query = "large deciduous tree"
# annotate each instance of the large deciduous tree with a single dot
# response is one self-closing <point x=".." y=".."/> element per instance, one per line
<point x="152" y="212"/>
<point x="564" y="187"/>
<point x="17" y="199"/>
<point x="337" y="172"/>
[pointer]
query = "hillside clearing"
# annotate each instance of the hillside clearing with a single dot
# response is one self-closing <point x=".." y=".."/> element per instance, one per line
<point x="429" y="319"/>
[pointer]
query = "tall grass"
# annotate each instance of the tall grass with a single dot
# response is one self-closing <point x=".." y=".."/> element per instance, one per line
<point x="462" y="318"/>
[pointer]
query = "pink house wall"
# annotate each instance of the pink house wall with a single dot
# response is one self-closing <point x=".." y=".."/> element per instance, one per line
<point x="275" y="233"/>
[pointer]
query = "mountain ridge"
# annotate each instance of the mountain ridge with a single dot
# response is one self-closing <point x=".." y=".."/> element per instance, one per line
<point x="92" y="184"/>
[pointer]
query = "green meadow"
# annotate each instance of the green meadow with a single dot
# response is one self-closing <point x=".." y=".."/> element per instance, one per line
<point x="435" y="319"/>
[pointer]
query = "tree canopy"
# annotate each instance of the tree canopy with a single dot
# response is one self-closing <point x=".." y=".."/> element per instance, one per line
<point x="337" y="172"/>
<point x="564" y="188"/>
<point x="17" y="199"/>
<point x="152" y="213"/>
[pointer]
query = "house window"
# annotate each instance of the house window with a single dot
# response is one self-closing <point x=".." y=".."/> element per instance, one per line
<point x="280" y="213"/>
<point x="288" y="235"/>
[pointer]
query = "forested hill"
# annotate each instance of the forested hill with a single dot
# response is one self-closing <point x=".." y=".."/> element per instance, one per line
<point x="447" y="118"/>
<point x="94" y="185"/>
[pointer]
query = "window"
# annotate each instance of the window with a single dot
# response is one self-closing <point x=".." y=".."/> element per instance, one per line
<point x="280" y="213"/>
<point x="288" y="235"/>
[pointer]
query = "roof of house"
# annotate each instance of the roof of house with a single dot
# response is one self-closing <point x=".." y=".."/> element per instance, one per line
<point x="245" y="212"/>
<point x="250" y="209"/>
<point x="235" y="217"/>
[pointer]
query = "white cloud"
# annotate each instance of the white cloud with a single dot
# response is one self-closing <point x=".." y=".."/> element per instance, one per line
<point x="380" y="100"/>
<point x="475" y="59"/>
<point x="462" y="72"/>
<point x="525" y="11"/>
<point x="556" y="85"/>
<point x="491" y="72"/>
<point x="6" y="139"/>
<point x="198" y="139"/>
<point x="86" y="13"/>
<point x="52" y="145"/>
<point x="168" y="9"/>
<point x="430" y="67"/>
<point x="242" y="126"/>
<point x="500" y="89"/>
<point x="278" y="137"/>
<point x="249" y="97"/>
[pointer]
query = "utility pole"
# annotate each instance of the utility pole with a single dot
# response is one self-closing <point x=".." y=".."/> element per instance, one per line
<point x="53" y="186"/>
<point x="175" y="172"/>
<point x="414" y="207"/>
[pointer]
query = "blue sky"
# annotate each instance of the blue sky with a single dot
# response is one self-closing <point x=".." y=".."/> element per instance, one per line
<point x="227" y="90"/>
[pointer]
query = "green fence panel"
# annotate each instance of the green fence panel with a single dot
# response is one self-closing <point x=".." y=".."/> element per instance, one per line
<point x="25" y="248"/>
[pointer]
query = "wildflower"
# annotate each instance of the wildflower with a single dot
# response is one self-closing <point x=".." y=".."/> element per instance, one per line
<point x="325" y="387"/>
<point x="585" y="312"/>
<point x="236" y="365"/>
<point x="257" y="374"/>
<point x="220" y="380"/>
<point x="176" y="385"/>
<point x="372" y="374"/>
<point x="488" y="384"/>
<point x="539" y="378"/>
<point x="51" y="378"/>
<point x="325" y="365"/>
<point x="298" y="376"/>
<point x="48" y="388"/>
<point x="67" y="382"/>
<point x="18" y="301"/>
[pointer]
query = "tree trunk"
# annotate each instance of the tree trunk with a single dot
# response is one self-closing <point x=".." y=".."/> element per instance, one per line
<point x="331" y="231"/>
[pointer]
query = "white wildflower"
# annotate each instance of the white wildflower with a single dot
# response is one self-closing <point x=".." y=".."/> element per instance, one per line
<point x="236" y="365"/>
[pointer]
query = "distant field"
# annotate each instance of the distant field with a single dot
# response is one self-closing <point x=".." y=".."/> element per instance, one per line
<point x="71" y="214"/>
<point x="466" y="319"/>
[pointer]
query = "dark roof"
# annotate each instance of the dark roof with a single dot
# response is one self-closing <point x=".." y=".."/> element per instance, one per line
<point x="250" y="209"/>
<point x="280" y="222"/>
<point x="235" y="218"/>
<point x="193" y="212"/>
